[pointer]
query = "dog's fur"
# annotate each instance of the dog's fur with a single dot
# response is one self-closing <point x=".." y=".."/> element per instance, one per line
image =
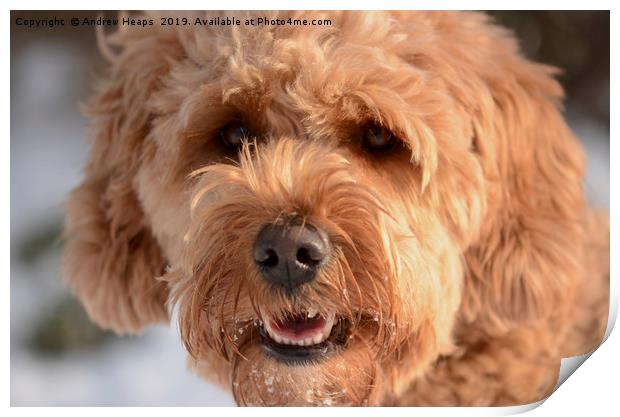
<point x="466" y="259"/>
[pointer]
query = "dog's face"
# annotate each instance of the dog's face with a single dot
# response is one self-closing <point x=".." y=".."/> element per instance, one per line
<point x="318" y="202"/>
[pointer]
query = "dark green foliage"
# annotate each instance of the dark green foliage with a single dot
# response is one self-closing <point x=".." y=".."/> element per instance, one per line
<point x="64" y="329"/>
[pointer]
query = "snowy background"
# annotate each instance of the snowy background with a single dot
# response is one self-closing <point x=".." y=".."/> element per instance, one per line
<point x="57" y="356"/>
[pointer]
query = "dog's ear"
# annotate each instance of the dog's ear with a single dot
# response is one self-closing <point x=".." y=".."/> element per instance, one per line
<point x="524" y="263"/>
<point x="111" y="260"/>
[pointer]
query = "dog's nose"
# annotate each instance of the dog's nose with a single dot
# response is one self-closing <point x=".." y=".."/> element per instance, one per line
<point x="290" y="256"/>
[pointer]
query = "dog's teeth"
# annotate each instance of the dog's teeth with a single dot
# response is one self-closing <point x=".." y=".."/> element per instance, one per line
<point x="319" y="337"/>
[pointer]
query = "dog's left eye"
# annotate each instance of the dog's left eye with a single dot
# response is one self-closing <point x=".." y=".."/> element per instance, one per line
<point x="377" y="138"/>
<point x="234" y="134"/>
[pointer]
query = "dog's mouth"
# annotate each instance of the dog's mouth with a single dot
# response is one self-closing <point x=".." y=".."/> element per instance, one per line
<point x="302" y="338"/>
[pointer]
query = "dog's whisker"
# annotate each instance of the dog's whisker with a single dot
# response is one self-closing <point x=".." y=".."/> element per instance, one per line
<point x="224" y="326"/>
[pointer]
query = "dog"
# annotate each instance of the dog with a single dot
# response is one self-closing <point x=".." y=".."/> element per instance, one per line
<point x="383" y="208"/>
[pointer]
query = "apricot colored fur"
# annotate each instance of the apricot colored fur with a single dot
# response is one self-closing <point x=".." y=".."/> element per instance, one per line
<point x="467" y="260"/>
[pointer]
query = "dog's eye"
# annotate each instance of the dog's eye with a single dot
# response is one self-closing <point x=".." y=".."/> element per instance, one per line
<point x="234" y="134"/>
<point x="377" y="138"/>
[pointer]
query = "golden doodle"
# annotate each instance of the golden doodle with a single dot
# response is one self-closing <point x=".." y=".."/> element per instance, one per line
<point x="385" y="210"/>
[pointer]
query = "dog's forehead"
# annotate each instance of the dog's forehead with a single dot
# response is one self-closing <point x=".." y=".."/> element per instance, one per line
<point x="314" y="55"/>
<point x="357" y="65"/>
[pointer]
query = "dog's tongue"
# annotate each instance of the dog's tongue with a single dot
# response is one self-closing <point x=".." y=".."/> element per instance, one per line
<point x="299" y="325"/>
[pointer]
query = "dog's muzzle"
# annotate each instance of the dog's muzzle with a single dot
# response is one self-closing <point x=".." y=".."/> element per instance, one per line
<point x="289" y="255"/>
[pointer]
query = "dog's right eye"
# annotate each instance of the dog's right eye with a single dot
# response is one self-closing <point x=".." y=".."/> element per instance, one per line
<point x="376" y="138"/>
<point x="234" y="134"/>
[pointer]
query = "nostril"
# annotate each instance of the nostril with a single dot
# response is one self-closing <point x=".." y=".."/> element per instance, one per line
<point x="290" y="255"/>
<point x="270" y="258"/>
<point x="303" y="257"/>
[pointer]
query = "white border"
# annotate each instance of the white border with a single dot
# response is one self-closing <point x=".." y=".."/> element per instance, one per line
<point x="311" y="5"/>
<point x="591" y="389"/>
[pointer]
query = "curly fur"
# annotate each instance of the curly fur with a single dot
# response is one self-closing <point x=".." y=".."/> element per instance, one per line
<point x="467" y="260"/>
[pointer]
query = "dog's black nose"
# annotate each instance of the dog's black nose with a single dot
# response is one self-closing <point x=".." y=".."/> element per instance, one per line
<point x="290" y="256"/>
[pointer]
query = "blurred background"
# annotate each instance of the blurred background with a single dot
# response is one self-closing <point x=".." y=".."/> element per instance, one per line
<point x="57" y="356"/>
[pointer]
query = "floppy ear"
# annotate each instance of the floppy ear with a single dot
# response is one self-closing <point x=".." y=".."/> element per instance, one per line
<point x="524" y="265"/>
<point x="112" y="261"/>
